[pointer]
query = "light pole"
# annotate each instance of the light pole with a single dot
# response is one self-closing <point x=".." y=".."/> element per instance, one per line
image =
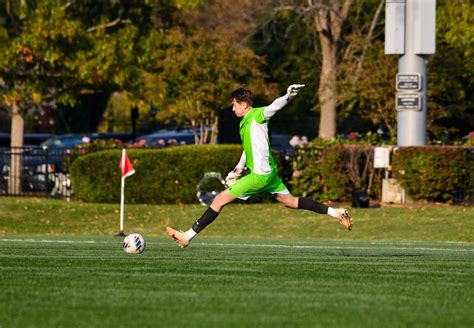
<point x="410" y="30"/>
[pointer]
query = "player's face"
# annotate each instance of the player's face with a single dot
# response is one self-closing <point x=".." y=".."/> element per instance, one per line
<point x="240" y="108"/>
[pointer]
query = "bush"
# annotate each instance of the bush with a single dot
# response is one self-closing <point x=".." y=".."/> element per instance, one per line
<point x="331" y="171"/>
<point x="164" y="176"/>
<point x="335" y="174"/>
<point x="434" y="173"/>
<point x="306" y="178"/>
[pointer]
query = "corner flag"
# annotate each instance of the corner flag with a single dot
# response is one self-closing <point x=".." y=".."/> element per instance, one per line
<point x="127" y="170"/>
<point x="125" y="165"/>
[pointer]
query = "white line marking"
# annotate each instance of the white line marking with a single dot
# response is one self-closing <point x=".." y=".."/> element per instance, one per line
<point x="376" y="246"/>
<point x="51" y="241"/>
<point x="340" y="247"/>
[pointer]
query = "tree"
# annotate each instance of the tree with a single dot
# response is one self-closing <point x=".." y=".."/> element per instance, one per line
<point x="192" y="76"/>
<point x="367" y="75"/>
<point x="36" y="64"/>
<point x="54" y="51"/>
<point x="327" y="19"/>
<point x="451" y="72"/>
<point x="367" y="87"/>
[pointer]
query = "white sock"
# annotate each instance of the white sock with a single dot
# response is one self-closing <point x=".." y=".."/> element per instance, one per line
<point x="190" y="234"/>
<point x="332" y="212"/>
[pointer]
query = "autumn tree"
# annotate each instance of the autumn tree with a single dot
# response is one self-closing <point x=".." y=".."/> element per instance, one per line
<point x="37" y="63"/>
<point x="326" y="19"/>
<point x="451" y="72"/>
<point x="192" y="76"/>
<point x="367" y="80"/>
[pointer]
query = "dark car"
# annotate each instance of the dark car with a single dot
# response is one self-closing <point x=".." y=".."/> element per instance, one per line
<point x="73" y="140"/>
<point x="166" y="137"/>
<point x="281" y="143"/>
<point x="34" y="170"/>
<point x="66" y="141"/>
<point x="29" y="139"/>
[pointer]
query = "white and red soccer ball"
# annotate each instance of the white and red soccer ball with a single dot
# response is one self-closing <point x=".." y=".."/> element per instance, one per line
<point x="134" y="243"/>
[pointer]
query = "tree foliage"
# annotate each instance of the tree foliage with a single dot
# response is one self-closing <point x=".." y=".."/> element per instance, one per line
<point x="192" y="76"/>
<point x="55" y="51"/>
<point x="368" y="82"/>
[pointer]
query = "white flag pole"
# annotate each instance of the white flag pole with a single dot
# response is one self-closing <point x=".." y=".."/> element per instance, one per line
<point x="122" y="195"/>
<point x="122" y="200"/>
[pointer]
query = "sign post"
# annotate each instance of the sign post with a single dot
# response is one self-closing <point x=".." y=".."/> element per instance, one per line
<point x="410" y="32"/>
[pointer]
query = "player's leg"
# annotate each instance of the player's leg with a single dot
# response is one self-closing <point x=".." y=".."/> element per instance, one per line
<point x="183" y="238"/>
<point x="284" y="197"/>
<point x="341" y="214"/>
<point x="243" y="189"/>
<point x="287" y="200"/>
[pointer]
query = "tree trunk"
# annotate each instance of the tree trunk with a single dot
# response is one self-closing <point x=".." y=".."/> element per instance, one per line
<point x="328" y="90"/>
<point x="214" y="130"/>
<point x="16" y="159"/>
<point x="329" y="18"/>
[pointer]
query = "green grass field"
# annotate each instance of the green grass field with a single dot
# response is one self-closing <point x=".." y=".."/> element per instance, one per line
<point x="60" y="267"/>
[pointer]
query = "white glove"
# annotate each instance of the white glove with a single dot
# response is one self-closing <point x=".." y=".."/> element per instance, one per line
<point x="294" y="89"/>
<point x="232" y="177"/>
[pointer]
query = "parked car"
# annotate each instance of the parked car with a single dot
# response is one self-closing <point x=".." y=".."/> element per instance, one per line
<point x="66" y="141"/>
<point x="34" y="170"/>
<point x="166" y="137"/>
<point x="29" y="139"/>
<point x="281" y="143"/>
<point x="72" y="140"/>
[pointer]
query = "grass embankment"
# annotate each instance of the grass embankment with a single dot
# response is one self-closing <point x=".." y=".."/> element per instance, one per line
<point x="30" y="217"/>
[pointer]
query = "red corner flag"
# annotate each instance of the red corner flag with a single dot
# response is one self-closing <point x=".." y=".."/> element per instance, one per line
<point x="127" y="170"/>
<point x="125" y="165"/>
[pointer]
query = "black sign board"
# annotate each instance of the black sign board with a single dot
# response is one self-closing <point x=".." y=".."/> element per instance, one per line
<point x="408" y="82"/>
<point x="408" y="101"/>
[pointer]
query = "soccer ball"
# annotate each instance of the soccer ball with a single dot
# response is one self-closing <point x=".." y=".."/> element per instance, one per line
<point x="134" y="243"/>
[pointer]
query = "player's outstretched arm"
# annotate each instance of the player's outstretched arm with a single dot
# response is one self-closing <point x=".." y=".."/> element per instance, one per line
<point x="279" y="103"/>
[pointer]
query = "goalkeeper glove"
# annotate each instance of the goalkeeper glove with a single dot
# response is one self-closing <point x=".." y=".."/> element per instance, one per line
<point x="232" y="177"/>
<point x="294" y="89"/>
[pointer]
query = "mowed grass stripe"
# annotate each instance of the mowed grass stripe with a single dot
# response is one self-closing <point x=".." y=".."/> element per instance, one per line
<point x="378" y="245"/>
<point x="230" y="285"/>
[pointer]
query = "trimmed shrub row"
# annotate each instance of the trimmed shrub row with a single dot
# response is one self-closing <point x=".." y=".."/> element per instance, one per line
<point x="434" y="173"/>
<point x="427" y="173"/>
<point x="332" y="173"/>
<point x="170" y="175"/>
<point x="164" y="176"/>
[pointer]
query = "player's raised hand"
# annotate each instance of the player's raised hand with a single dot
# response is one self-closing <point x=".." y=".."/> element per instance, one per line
<point x="294" y="89"/>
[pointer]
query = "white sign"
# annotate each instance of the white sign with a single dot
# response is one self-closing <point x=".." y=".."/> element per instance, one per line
<point x="408" y="101"/>
<point x="381" y="157"/>
<point x="408" y="82"/>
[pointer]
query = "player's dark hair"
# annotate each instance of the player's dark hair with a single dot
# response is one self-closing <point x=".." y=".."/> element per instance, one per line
<point x="243" y="95"/>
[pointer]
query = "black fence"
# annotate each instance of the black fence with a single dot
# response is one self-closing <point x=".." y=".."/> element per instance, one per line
<point x="34" y="171"/>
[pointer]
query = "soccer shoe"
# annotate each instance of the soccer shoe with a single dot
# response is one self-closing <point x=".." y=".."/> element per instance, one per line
<point x="178" y="236"/>
<point x="344" y="218"/>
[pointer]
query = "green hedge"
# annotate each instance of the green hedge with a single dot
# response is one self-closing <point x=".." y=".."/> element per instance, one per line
<point x="164" y="176"/>
<point x="331" y="173"/>
<point x="334" y="172"/>
<point x="434" y="173"/>
<point x="306" y="178"/>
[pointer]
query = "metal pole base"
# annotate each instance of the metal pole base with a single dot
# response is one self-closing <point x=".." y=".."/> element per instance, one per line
<point x="120" y="234"/>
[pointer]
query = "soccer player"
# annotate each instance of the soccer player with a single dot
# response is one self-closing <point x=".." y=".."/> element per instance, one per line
<point x="257" y="156"/>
